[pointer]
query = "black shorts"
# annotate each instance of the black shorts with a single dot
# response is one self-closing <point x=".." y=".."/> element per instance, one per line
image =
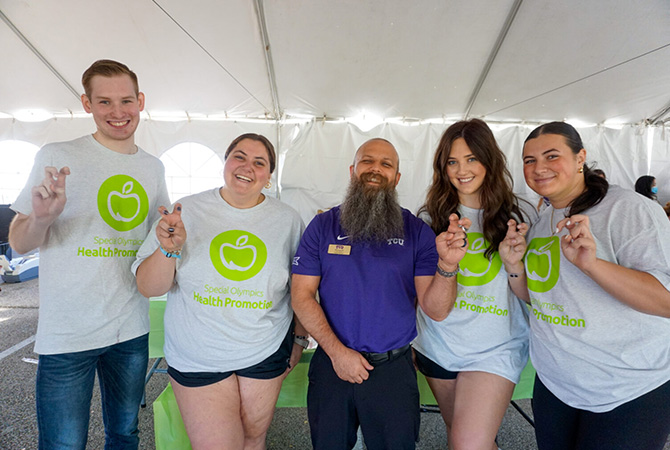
<point x="271" y="367"/>
<point x="431" y="369"/>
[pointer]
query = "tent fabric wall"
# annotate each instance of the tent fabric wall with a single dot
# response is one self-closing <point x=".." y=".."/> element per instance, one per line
<point x="660" y="162"/>
<point x="314" y="156"/>
<point x="316" y="172"/>
<point x="316" y="169"/>
<point x="154" y="136"/>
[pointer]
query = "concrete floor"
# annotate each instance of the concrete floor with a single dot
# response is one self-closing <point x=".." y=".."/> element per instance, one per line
<point x="289" y="429"/>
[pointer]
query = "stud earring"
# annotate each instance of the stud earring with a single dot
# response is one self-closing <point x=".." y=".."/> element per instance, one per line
<point x="581" y="169"/>
<point x="268" y="185"/>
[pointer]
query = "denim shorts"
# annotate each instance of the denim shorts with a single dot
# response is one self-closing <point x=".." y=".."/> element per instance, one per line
<point x="271" y="367"/>
<point x="431" y="369"/>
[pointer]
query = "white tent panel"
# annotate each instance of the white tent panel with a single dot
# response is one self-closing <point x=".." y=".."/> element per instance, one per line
<point x="623" y="96"/>
<point x="552" y="45"/>
<point x="622" y="154"/>
<point x="156" y="137"/>
<point x="391" y="58"/>
<point x="316" y="173"/>
<point x="40" y="133"/>
<point x="233" y="80"/>
<point x="27" y="83"/>
<point x="660" y="163"/>
<point x="173" y="70"/>
<point x="510" y="140"/>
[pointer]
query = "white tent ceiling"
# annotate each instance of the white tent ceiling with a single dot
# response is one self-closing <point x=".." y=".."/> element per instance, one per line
<point x="424" y="63"/>
<point x="502" y="60"/>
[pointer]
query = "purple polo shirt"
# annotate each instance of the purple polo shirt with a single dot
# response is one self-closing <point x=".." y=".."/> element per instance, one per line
<point x="367" y="291"/>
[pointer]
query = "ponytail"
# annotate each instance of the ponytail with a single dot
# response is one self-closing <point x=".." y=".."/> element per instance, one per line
<point x="596" y="189"/>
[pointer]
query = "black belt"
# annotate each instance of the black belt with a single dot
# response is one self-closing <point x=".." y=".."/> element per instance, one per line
<point x="378" y="358"/>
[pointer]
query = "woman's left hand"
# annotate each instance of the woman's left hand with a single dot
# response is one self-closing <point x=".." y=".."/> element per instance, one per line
<point x="578" y="245"/>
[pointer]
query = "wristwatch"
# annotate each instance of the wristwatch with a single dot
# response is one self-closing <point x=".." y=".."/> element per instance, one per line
<point x="301" y="341"/>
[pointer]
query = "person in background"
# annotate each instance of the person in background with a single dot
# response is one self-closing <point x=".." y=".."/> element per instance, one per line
<point x="229" y="333"/>
<point x="646" y="185"/>
<point x="472" y="360"/>
<point x="597" y="265"/>
<point x="91" y="318"/>
<point x="370" y="260"/>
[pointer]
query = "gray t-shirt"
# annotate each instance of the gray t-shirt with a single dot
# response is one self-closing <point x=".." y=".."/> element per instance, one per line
<point x="591" y="350"/>
<point x="88" y="297"/>
<point x="487" y="330"/>
<point x="230" y="305"/>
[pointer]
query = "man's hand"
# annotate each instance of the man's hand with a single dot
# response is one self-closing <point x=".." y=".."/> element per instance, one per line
<point x="27" y="232"/>
<point x="351" y="366"/>
<point x="48" y="198"/>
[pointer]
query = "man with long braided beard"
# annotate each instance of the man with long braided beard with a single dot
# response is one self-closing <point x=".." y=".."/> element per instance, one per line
<point x="371" y="262"/>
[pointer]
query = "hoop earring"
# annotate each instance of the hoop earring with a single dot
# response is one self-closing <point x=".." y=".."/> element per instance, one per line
<point x="581" y="169"/>
<point x="268" y="185"/>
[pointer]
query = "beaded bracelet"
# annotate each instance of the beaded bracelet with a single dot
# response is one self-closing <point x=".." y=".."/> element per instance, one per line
<point x="172" y="254"/>
<point x="446" y="274"/>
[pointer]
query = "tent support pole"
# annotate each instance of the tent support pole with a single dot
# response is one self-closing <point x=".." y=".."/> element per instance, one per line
<point x="492" y="56"/>
<point x="277" y="152"/>
<point x="269" y="64"/>
<point x="272" y="80"/>
<point x="657" y="119"/>
<point x="38" y="54"/>
<point x="202" y="47"/>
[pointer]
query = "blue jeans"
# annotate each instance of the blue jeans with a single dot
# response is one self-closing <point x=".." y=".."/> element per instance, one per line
<point x="64" y="388"/>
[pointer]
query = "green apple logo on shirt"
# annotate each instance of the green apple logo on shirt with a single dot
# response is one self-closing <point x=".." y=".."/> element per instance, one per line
<point x="122" y="202"/>
<point x="238" y="255"/>
<point x="476" y="269"/>
<point x="543" y="259"/>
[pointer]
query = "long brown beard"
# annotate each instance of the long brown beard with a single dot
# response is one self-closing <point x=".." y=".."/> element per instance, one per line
<point x="371" y="213"/>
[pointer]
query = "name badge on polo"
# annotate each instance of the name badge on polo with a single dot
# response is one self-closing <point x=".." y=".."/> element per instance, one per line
<point x="337" y="249"/>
